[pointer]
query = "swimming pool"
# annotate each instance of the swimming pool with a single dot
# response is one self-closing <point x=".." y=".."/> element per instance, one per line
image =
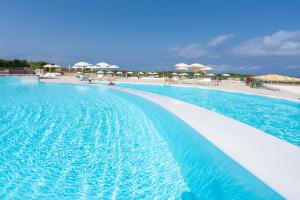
<point x="277" y="117"/>
<point x="60" y="141"/>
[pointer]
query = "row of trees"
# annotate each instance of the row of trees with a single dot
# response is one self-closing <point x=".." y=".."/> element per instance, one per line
<point x="21" y="63"/>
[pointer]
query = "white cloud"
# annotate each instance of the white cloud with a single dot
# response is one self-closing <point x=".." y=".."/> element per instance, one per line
<point x="190" y="51"/>
<point x="197" y="50"/>
<point x="250" y="68"/>
<point x="281" y="43"/>
<point x="219" y="40"/>
<point x="231" y="68"/>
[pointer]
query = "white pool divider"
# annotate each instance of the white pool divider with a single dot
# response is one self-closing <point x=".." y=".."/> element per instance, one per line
<point x="272" y="160"/>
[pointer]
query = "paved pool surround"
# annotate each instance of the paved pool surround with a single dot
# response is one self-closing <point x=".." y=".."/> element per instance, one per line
<point x="274" y="161"/>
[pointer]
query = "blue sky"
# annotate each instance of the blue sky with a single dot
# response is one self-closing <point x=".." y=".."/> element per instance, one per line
<point x="254" y="36"/>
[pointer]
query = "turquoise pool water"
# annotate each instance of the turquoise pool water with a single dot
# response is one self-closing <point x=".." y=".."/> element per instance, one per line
<point x="280" y="118"/>
<point x="62" y="141"/>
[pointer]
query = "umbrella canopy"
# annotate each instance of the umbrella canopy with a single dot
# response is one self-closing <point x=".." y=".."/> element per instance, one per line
<point x="210" y="74"/>
<point x="197" y="74"/>
<point x="174" y="73"/>
<point x="49" y="66"/>
<point x="129" y="72"/>
<point x="57" y="66"/>
<point x="100" y="72"/>
<point x="76" y="67"/>
<point x="141" y="73"/>
<point x="82" y="64"/>
<point x="109" y="72"/>
<point x="207" y="69"/>
<point x="103" y="65"/>
<point x="154" y="73"/>
<point x="197" y="66"/>
<point x="92" y="67"/>
<point x="182" y="68"/>
<point x="277" y="78"/>
<point x="183" y="74"/>
<point x="226" y="75"/>
<point x="183" y="65"/>
<point x="119" y="73"/>
<point x="113" y="67"/>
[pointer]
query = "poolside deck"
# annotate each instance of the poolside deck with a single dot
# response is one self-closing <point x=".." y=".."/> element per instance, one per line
<point x="229" y="86"/>
<point x="274" y="161"/>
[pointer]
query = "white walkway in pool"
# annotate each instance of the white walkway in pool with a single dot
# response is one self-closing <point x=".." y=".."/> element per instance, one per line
<point x="274" y="161"/>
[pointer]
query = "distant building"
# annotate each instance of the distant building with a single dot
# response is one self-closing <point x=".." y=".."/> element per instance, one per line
<point x="16" y="70"/>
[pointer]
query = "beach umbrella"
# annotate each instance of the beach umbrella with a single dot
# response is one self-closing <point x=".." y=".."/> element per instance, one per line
<point x="82" y="64"/>
<point x="76" y="67"/>
<point x="226" y="75"/>
<point x="100" y="72"/>
<point x="197" y="74"/>
<point x="183" y="74"/>
<point x="210" y="74"/>
<point x="113" y="67"/>
<point x="183" y="65"/>
<point x="141" y="73"/>
<point x="182" y="68"/>
<point x="49" y="66"/>
<point x="103" y="65"/>
<point x="154" y="73"/>
<point x="92" y="67"/>
<point x="174" y="73"/>
<point x="129" y="72"/>
<point x="207" y="69"/>
<point x="56" y="66"/>
<point x="119" y="73"/>
<point x="109" y="72"/>
<point x="197" y="66"/>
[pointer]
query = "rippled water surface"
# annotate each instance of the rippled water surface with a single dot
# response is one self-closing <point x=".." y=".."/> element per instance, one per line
<point x="73" y="141"/>
<point x="280" y="118"/>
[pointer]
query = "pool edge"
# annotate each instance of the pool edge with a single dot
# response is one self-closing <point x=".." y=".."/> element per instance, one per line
<point x="274" y="161"/>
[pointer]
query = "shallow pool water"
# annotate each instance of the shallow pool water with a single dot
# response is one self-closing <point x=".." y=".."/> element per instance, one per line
<point x="280" y="118"/>
<point x="61" y="141"/>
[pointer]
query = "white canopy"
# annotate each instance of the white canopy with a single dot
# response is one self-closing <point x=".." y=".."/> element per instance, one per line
<point x="99" y="72"/>
<point x="174" y="73"/>
<point x="210" y="74"/>
<point x="197" y="74"/>
<point x="183" y="74"/>
<point x="129" y="72"/>
<point x="225" y="75"/>
<point x="76" y="67"/>
<point x="197" y="65"/>
<point x="109" y="72"/>
<point x="57" y="66"/>
<point x="82" y="64"/>
<point x="49" y="66"/>
<point x="141" y="73"/>
<point x="103" y="65"/>
<point x="181" y="65"/>
<point x="119" y="73"/>
<point x="207" y="69"/>
<point x="93" y="67"/>
<point x="113" y="67"/>
<point x="182" y="68"/>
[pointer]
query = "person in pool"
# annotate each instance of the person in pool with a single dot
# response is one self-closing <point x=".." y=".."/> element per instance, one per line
<point x="111" y="83"/>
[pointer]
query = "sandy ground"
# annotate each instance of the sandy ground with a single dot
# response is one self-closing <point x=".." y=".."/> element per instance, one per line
<point x="285" y="91"/>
